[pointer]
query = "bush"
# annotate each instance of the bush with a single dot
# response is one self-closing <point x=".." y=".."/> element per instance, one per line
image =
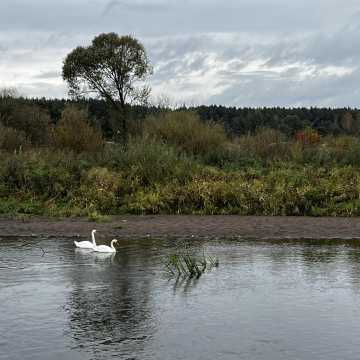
<point x="341" y="150"/>
<point x="12" y="139"/>
<point x="309" y="191"/>
<point x="266" y="144"/>
<point x="75" y="133"/>
<point x="308" y="136"/>
<point x="186" y="131"/>
<point x="43" y="173"/>
<point x="100" y="189"/>
<point x="33" y="121"/>
<point x="147" y="162"/>
<point x="12" y="173"/>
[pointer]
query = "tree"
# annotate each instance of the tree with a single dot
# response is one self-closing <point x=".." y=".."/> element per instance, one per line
<point x="8" y="98"/>
<point x="346" y="122"/>
<point x="114" y="68"/>
<point x="291" y="124"/>
<point x="356" y="126"/>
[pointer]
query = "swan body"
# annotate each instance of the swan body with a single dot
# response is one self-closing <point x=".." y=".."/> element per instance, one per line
<point x="87" y="244"/>
<point x="105" y="248"/>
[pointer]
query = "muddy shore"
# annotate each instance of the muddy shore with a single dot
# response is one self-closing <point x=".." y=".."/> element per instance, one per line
<point x="187" y="226"/>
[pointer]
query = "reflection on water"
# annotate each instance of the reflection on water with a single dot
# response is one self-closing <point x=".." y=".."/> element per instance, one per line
<point x="108" y="298"/>
<point x="267" y="300"/>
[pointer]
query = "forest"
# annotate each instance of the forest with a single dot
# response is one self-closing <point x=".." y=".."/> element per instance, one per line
<point x="236" y="121"/>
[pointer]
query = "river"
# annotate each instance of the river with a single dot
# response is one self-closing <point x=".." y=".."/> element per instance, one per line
<point x="268" y="300"/>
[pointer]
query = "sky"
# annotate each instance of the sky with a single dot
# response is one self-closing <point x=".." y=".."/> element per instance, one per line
<point x="227" y="52"/>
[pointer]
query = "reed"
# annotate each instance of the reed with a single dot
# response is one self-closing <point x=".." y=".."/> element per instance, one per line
<point x="189" y="266"/>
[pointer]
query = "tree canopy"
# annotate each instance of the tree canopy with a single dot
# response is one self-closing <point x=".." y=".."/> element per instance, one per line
<point x="114" y="68"/>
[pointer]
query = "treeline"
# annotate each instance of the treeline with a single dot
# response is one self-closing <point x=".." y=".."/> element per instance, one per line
<point x="236" y="121"/>
<point x="239" y="121"/>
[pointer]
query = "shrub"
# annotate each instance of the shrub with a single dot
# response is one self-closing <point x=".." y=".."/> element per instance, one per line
<point x="267" y="144"/>
<point x="33" y="121"/>
<point x="186" y="131"/>
<point x="13" y="173"/>
<point x="147" y="162"/>
<point x="75" y="133"/>
<point x="43" y="173"/>
<point x="146" y="202"/>
<point x="308" y="136"/>
<point x="12" y="139"/>
<point x="100" y="189"/>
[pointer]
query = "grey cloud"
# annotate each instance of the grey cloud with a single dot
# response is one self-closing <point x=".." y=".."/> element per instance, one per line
<point x="259" y="91"/>
<point x="199" y="46"/>
<point x="42" y="89"/>
<point x="113" y="5"/>
<point x="263" y="86"/>
<point x="149" y="17"/>
<point x="48" y="75"/>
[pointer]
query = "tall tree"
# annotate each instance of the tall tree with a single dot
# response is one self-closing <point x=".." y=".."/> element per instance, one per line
<point x="114" y="68"/>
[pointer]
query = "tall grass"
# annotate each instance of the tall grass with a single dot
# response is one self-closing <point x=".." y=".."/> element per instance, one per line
<point x="186" y="131"/>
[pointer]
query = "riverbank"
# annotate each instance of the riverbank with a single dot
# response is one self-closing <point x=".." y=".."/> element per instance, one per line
<point x="260" y="227"/>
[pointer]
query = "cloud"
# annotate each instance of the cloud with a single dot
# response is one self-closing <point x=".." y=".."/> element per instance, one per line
<point x="42" y="89"/>
<point x="114" y="5"/>
<point x="228" y="69"/>
<point x="203" y="51"/>
<point x="48" y="75"/>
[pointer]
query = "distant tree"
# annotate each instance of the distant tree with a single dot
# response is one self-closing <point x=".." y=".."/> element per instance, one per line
<point x="25" y="116"/>
<point x="9" y="93"/>
<point x="112" y="67"/>
<point x="291" y="124"/>
<point x="8" y="98"/>
<point x="347" y="121"/>
<point x="356" y="125"/>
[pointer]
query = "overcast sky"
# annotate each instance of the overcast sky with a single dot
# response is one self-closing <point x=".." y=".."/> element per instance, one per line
<point x="230" y="52"/>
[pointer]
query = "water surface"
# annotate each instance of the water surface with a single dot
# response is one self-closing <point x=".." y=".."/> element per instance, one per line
<point x="267" y="300"/>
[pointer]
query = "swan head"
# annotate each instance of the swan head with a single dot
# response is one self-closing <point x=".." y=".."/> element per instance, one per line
<point x="93" y="231"/>
<point x="114" y="241"/>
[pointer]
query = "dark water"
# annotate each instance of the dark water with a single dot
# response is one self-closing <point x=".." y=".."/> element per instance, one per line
<point x="267" y="300"/>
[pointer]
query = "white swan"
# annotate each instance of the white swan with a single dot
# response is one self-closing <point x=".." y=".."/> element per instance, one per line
<point x="87" y="244"/>
<point x="105" y="248"/>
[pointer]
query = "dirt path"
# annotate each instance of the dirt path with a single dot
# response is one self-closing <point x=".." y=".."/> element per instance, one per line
<point x="186" y="226"/>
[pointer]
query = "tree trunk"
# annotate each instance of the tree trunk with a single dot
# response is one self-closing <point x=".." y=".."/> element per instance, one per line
<point x="120" y="129"/>
<point x="124" y="129"/>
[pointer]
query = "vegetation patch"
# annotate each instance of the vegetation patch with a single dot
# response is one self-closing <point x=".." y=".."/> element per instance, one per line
<point x="189" y="266"/>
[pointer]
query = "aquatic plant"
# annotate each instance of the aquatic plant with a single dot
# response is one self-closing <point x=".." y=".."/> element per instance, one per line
<point x="189" y="266"/>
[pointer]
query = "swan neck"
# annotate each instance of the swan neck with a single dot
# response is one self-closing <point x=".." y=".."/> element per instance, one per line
<point x="93" y="237"/>
<point x="112" y="244"/>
